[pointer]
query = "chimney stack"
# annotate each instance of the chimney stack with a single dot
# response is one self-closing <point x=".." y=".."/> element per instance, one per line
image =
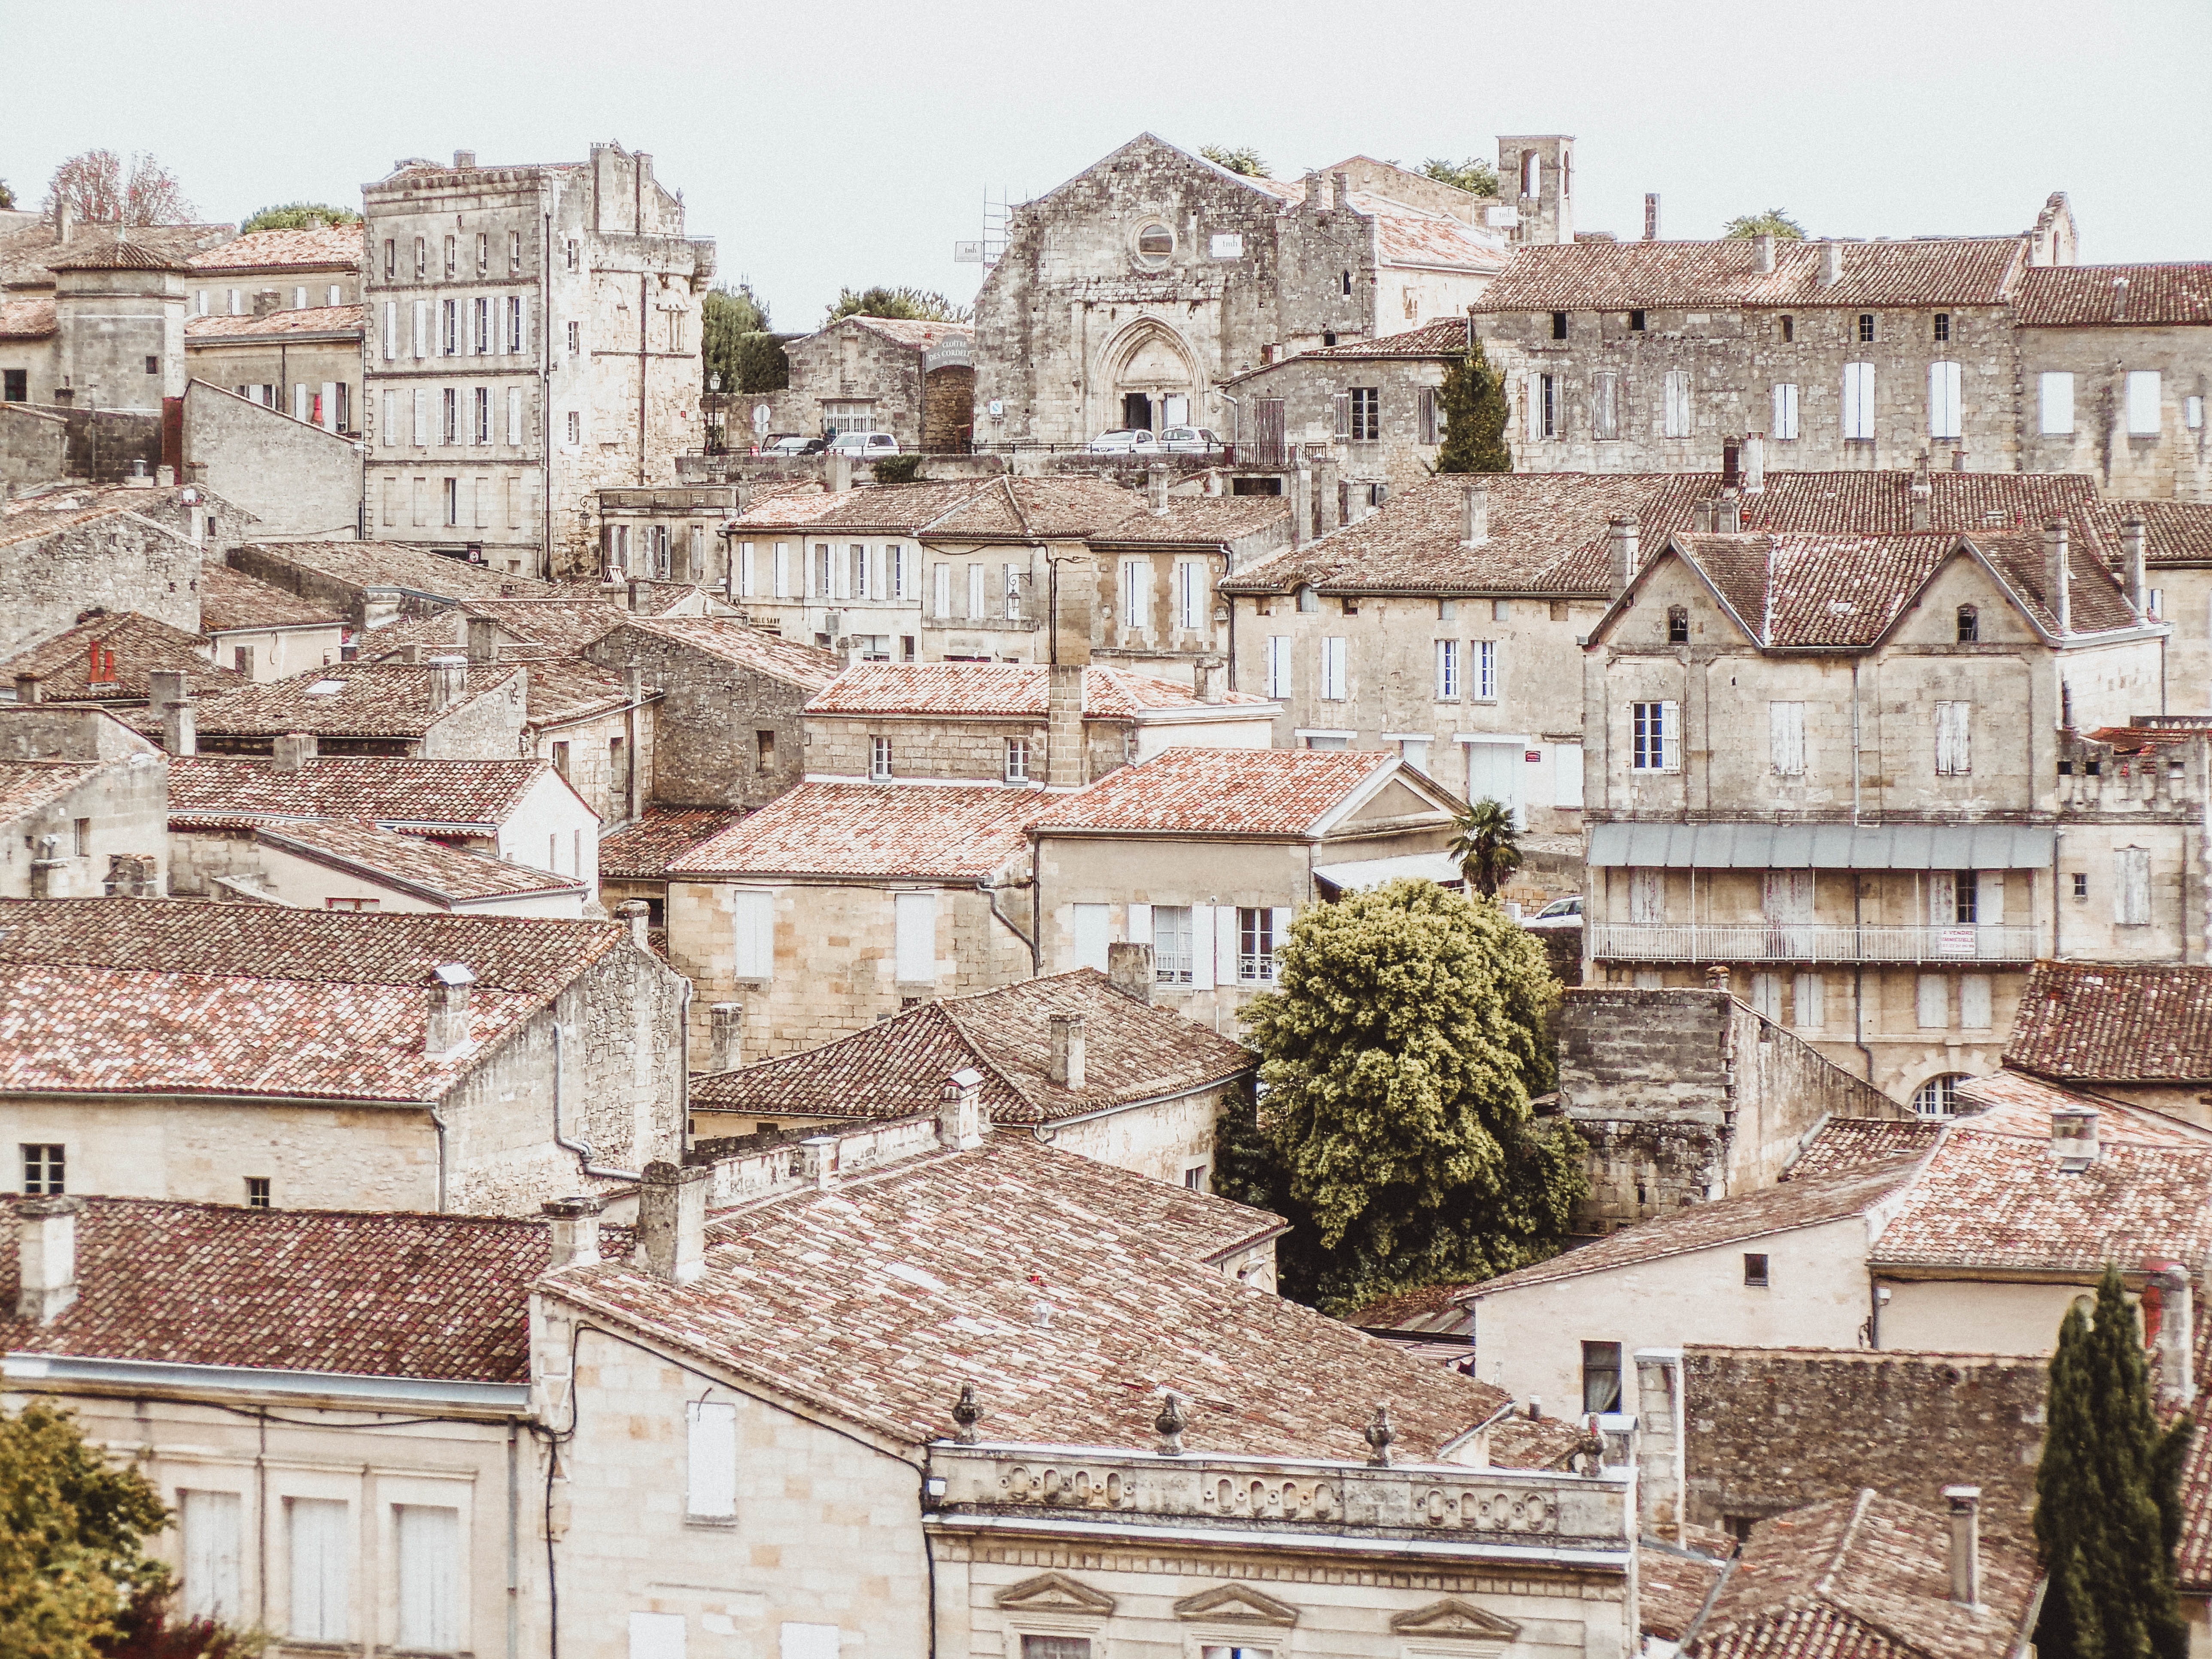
<point x="2138" y="558"/>
<point x="64" y="221"/>
<point x="1651" y="216"/>
<point x="1727" y="515"/>
<point x="295" y="750"/>
<point x="267" y="301"/>
<point x="1156" y="486"/>
<point x="1965" y="1506"/>
<point x="46" y="1257"/>
<point x="838" y="473"/>
<point x="2074" y="1137"/>
<point x="1064" y="765"/>
<point x="49" y="870"/>
<point x="726" y="1036"/>
<point x="447" y="1031"/>
<point x="2057" y="575"/>
<point x="1130" y="968"/>
<point x="1211" y="673"/>
<point x="1831" y="263"/>
<point x="1342" y="193"/>
<point x="575" y="1228"/>
<point x="166" y="692"/>
<point x="483" y="641"/>
<point x="27" y="688"/>
<point x="1766" y="253"/>
<point x="1755" y="464"/>
<point x="637" y="913"/>
<point x="1920" y="494"/>
<point x="1327" y="498"/>
<point x="1701" y="518"/>
<point x="1067" y="1050"/>
<point x="464" y="160"/>
<point x="672" y="1221"/>
<point x="1474" y="515"/>
<point x="636" y="593"/>
<point x="960" y="1111"/>
<point x="2177" y="1333"/>
<point x="1621" y="536"/>
<point x="449" y="682"/>
<point x="1302" y="501"/>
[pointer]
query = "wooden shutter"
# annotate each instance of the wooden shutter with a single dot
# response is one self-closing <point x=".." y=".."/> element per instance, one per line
<point x="1268" y="429"/>
<point x="1990" y="900"/>
<point x="421" y="416"/>
<point x="210" y="1521"/>
<point x="320" y="1547"/>
<point x="1201" y="945"/>
<point x="1811" y="1013"/>
<point x="1785" y="723"/>
<point x="1430" y="432"/>
<point x="2143" y="403"/>
<point x="1942" y="899"/>
<point x="1932" y="1002"/>
<point x="429" y="1577"/>
<point x="1094" y="933"/>
<point x="2135" y="887"/>
<point x="421" y="341"/>
<point x="915" y="942"/>
<point x="1974" y="1002"/>
<point x="1340" y="402"/>
<point x="712" y="1488"/>
<point x="752" y="916"/>
<point x="1670" y="736"/>
<point x="1225" y="945"/>
<point x="1942" y="400"/>
<point x="391" y="330"/>
<point x="1567" y="774"/>
<point x="2055" y="399"/>
<point x="1647" y="896"/>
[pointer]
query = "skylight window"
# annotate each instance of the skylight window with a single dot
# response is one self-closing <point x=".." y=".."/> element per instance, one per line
<point x="325" y="688"/>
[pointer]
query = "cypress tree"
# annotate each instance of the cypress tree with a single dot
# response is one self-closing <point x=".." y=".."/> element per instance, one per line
<point x="1473" y="398"/>
<point x="2107" y="1495"/>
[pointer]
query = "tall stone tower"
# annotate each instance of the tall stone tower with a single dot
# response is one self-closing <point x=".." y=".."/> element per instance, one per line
<point x="1536" y="174"/>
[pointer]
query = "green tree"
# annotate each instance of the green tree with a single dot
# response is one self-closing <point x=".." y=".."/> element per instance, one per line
<point x="912" y="304"/>
<point x="1400" y="1055"/>
<point x="1473" y="399"/>
<point x="1487" y="846"/>
<point x="2107" y="1495"/>
<point x="734" y="342"/>
<point x="7" y="197"/>
<point x="71" y="1530"/>
<point x="1242" y="160"/>
<point x="299" y="216"/>
<point x="1774" y="222"/>
<point x="1475" y="175"/>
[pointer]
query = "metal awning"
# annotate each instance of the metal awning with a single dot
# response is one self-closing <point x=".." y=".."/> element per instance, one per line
<point x="1362" y="873"/>
<point x="1822" y="846"/>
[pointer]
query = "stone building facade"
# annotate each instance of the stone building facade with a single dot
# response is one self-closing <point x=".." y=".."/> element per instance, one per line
<point x="533" y="337"/>
<point x="83" y="806"/>
<point x="299" y="479"/>
<point x="108" y="334"/>
<point x="1369" y="404"/>
<point x="1128" y="295"/>
<point x="66" y="558"/>
<point x="915" y="381"/>
<point x="275" y="316"/>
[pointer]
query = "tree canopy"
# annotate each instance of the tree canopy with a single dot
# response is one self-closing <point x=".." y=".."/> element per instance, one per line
<point x="1474" y="174"/>
<point x="101" y="188"/>
<point x="2108" y="1495"/>
<point x="1243" y="158"/>
<point x="734" y="342"/>
<point x="1487" y="846"/>
<point x="1472" y="398"/>
<point x="914" y="304"/>
<point x="1774" y="222"/>
<point x="7" y="197"/>
<point x="299" y="216"/>
<point x="1399" y="1056"/>
<point x="71" y="1530"/>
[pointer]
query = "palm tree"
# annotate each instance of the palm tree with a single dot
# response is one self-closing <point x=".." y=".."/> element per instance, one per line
<point x="1487" y="846"/>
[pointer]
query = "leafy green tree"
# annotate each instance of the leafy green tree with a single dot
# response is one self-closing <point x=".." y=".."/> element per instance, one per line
<point x="1487" y="846"/>
<point x="912" y="304"/>
<point x="71" y="1530"/>
<point x="7" y="197"/>
<point x="1774" y="222"/>
<point x="2107" y="1495"/>
<point x="1475" y="175"/>
<point x="1473" y="399"/>
<point x="1400" y="1055"/>
<point x="299" y="216"/>
<point x="734" y="342"/>
<point x="899" y="469"/>
<point x="1242" y="160"/>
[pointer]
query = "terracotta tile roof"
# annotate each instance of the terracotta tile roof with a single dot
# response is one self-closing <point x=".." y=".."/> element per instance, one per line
<point x="2115" y="297"/>
<point x="1133" y="1051"/>
<point x="1035" y="509"/>
<point x="28" y="319"/>
<point x="876" y="1299"/>
<point x="1009" y="690"/>
<point x="641" y="850"/>
<point x="1432" y="1307"/>
<point x="871" y="831"/>
<point x="1669" y="276"/>
<point x="2192" y="1552"/>
<point x="871" y="509"/>
<point x="102" y="253"/>
<point x="1442" y="338"/>
<point x="363" y="1294"/>
<point x="27" y="252"/>
<point x="1222" y="792"/>
<point x="357" y="699"/>
<point x="654" y="598"/>
<point x="806" y="667"/>
<point x="801" y="501"/>
<point x="2104" y="1022"/>
<point x="564" y="624"/>
<point x="428" y="869"/>
<point x="1671" y="1586"/>
<point x="393" y="791"/>
<point x="131" y="647"/>
<point x="395" y="564"/>
<point x="284" y="250"/>
<point x="215" y="328"/>
<point x="1846" y="1146"/>
<point x="1808" y="1202"/>
<point x="1406" y="235"/>
<point x="25" y="785"/>
<point x="2174" y="532"/>
<point x="1197" y="521"/>
<point x="1992" y="1196"/>
<point x="563" y="688"/>
<point x="1865" y="1577"/>
<point x="232" y="601"/>
<point x="908" y="331"/>
<point x="161" y="996"/>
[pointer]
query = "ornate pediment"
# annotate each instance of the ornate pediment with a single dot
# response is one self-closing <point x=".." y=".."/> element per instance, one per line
<point x="1452" y="1618"/>
<point x="1237" y="1604"/>
<point x="1054" y="1592"/>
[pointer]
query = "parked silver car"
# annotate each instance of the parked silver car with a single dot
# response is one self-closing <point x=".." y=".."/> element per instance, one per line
<point x="1128" y="440"/>
<point x="1189" y="441"/>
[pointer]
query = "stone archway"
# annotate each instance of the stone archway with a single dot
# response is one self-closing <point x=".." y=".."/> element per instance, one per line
<point x="1149" y="378"/>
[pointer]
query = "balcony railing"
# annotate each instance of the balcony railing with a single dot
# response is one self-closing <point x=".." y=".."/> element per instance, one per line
<point x="1756" y="941"/>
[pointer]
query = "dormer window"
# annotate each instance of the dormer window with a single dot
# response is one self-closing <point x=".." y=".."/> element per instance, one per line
<point x="1970" y="624"/>
<point x="1677" y="624"/>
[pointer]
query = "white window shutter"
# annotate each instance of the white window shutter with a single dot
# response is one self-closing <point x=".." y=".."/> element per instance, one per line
<point x="1932" y="1002"/>
<point x="1942" y="899"/>
<point x="421" y="341"/>
<point x="210" y="1521"/>
<point x="2135" y="887"/>
<point x="1990" y="899"/>
<point x="429" y="1577"/>
<point x="657" y="1635"/>
<point x="807" y="1642"/>
<point x="1670" y="736"/>
<point x="2143" y="403"/>
<point x="1201" y="945"/>
<point x="713" y="1486"/>
<point x="916" y="945"/>
<point x="1284" y="916"/>
<point x="1140" y="924"/>
<point x="1812" y="1009"/>
<point x="753" y="929"/>
<point x="1567" y="774"/>
<point x="1647" y="896"/>
<point x="321" y="1559"/>
<point x="1225" y="943"/>
<point x="1094" y="933"/>
<point x="391" y="433"/>
<point x="391" y="330"/>
<point x="422" y="415"/>
<point x="1974" y="1002"/>
<point x="330" y="389"/>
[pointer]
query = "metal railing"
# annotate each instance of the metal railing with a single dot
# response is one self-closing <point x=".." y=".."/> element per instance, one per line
<point x="1756" y="941"/>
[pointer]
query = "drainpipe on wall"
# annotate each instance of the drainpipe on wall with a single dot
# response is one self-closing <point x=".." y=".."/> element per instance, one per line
<point x="582" y="1149"/>
<point x="438" y="1124"/>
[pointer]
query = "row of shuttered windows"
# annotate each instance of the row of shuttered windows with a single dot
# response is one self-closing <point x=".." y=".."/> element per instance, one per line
<point x="322" y="1552"/>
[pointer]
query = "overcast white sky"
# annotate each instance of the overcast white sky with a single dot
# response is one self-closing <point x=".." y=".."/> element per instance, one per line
<point x="831" y="142"/>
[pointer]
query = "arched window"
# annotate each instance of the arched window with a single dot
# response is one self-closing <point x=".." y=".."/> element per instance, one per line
<point x="1532" y="174"/>
<point x="1347" y="281"/>
<point x="1308" y="600"/>
<point x="1677" y="624"/>
<point x="1939" y="1096"/>
<point x="1970" y="624"/>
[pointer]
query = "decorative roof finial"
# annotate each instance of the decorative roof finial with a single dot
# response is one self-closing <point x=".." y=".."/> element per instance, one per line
<point x="967" y="1413"/>
<point x="1170" y="1425"/>
<point x="1379" y="1434"/>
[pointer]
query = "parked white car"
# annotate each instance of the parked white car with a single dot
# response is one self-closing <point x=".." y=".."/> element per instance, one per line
<point x="1189" y="441"/>
<point x="1129" y="441"/>
<point x="1559" y="912"/>
<point x="864" y="446"/>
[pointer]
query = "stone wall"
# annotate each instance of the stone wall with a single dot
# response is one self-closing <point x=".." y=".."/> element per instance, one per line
<point x="1307" y="386"/>
<point x="1688" y="1096"/>
<point x="110" y="833"/>
<point x="33" y="444"/>
<point x="1165" y="1141"/>
<point x="300" y="483"/>
<point x="947" y="748"/>
<point x="119" y="561"/>
<point x="850" y="363"/>
<point x="2174" y="463"/>
<point x="707" y="723"/>
<point x="488" y="726"/>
